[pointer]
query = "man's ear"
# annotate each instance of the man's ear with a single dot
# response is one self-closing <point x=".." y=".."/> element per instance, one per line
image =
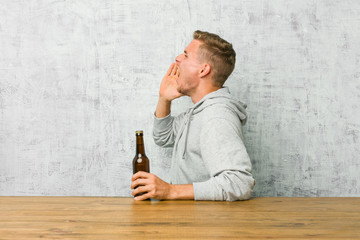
<point x="205" y="70"/>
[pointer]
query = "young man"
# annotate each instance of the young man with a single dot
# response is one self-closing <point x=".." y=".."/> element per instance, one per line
<point x="209" y="160"/>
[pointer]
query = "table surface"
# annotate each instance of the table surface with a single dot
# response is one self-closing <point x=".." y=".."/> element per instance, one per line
<point x="124" y="218"/>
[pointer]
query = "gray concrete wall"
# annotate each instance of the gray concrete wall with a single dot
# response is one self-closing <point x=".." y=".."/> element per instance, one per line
<point x="77" y="78"/>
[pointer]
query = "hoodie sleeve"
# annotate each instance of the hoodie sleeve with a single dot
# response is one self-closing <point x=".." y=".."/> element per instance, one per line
<point x="165" y="129"/>
<point x="227" y="161"/>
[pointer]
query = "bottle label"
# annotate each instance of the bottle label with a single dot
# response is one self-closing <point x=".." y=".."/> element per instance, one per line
<point x="139" y="160"/>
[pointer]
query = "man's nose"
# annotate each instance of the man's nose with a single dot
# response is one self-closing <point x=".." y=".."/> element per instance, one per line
<point x="178" y="58"/>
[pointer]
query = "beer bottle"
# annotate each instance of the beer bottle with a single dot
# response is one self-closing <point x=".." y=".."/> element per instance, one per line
<point x="140" y="162"/>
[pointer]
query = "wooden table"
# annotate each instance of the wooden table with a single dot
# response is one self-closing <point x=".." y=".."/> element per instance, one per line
<point x="123" y="218"/>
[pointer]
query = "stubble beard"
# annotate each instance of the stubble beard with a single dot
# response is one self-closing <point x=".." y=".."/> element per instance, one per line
<point x="185" y="88"/>
<point x="181" y="90"/>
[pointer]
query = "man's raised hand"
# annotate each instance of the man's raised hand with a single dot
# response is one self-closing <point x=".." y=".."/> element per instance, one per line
<point x="168" y="87"/>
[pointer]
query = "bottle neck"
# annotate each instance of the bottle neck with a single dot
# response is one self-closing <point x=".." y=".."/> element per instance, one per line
<point x="140" y="148"/>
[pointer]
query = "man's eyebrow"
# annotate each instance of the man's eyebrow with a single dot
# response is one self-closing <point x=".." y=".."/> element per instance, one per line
<point x="185" y="51"/>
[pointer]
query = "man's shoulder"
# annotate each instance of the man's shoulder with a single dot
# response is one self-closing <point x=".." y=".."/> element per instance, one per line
<point x="219" y="111"/>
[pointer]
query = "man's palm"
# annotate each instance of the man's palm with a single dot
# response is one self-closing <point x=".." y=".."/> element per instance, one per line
<point x="168" y="86"/>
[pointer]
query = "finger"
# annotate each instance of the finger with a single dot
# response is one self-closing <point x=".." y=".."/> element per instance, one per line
<point x="175" y="67"/>
<point x="143" y="197"/>
<point x="139" y="181"/>
<point x="140" y="174"/>
<point x="176" y="70"/>
<point x="141" y="189"/>
<point x="170" y="69"/>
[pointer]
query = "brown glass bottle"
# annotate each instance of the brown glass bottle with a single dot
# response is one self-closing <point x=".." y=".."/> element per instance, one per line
<point x="140" y="162"/>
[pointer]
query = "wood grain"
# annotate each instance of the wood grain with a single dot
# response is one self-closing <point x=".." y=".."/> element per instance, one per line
<point x="124" y="218"/>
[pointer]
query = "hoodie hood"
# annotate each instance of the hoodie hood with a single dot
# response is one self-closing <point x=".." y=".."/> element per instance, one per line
<point x="221" y="96"/>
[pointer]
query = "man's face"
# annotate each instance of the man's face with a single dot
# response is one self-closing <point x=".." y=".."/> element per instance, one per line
<point x="189" y="68"/>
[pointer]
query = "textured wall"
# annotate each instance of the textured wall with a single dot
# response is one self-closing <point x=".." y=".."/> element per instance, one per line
<point x="77" y="78"/>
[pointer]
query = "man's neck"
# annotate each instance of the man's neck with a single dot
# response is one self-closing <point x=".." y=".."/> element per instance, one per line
<point x="202" y="92"/>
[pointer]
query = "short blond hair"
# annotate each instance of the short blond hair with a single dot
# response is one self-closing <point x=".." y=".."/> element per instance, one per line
<point x="218" y="53"/>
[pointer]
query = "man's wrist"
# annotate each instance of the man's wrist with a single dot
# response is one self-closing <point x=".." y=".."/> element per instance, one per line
<point x="185" y="191"/>
<point x="164" y="100"/>
<point x="172" y="192"/>
<point x="163" y="107"/>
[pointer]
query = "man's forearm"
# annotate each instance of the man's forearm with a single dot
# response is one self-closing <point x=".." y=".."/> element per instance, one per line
<point x="185" y="191"/>
<point x="162" y="108"/>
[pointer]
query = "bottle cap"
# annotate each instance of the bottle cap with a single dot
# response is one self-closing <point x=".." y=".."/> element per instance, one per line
<point x="139" y="132"/>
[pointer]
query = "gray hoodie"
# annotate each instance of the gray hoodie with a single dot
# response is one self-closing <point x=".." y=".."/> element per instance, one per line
<point x="209" y="149"/>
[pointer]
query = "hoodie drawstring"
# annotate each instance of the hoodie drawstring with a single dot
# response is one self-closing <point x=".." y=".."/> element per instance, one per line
<point x="187" y="130"/>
